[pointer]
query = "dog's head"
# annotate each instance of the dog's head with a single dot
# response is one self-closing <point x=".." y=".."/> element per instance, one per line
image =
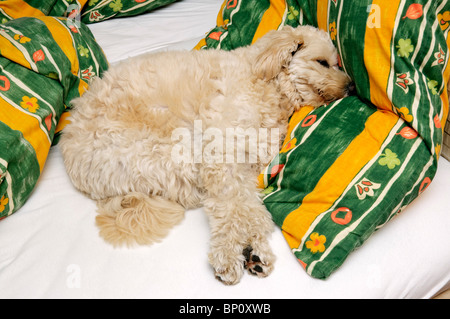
<point x="305" y="62"/>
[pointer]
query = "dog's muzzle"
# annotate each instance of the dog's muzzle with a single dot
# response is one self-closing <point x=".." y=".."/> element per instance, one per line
<point x="350" y="89"/>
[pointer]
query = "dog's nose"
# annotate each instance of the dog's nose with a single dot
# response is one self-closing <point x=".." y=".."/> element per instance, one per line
<point x="350" y="89"/>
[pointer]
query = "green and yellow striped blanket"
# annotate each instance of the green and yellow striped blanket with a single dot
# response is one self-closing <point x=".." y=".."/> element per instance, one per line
<point x="47" y="58"/>
<point x="344" y="170"/>
<point x="45" y="62"/>
<point x="348" y="168"/>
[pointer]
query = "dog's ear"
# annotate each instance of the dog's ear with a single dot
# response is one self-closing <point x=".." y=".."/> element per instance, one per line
<point x="275" y="50"/>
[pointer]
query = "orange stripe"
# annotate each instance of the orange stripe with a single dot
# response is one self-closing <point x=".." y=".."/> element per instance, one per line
<point x="271" y="19"/>
<point x="18" y="8"/>
<point x="377" y="52"/>
<point x="322" y="14"/>
<point x="30" y="128"/>
<point x="336" y="179"/>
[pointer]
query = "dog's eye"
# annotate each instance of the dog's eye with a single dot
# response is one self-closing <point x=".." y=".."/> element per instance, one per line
<point x="323" y="63"/>
<point x="297" y="49"/>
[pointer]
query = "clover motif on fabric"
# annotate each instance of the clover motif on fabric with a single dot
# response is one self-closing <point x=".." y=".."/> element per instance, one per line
<point x="116" y="5"/>
<point x="389" y="159"/>
<point x="293" y="13"/>
<point x="84" y="52"/>
<point x="404" y="48"/>
<point x="432" y="84"/>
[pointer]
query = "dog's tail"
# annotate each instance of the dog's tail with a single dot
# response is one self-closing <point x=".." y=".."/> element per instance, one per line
<point x="136" y="218"/>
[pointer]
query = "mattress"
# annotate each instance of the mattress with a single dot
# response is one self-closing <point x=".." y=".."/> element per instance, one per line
<point x="51" y="248"/>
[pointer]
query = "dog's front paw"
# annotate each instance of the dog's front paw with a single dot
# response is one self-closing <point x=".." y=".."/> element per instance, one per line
<point x="259" y="263"/>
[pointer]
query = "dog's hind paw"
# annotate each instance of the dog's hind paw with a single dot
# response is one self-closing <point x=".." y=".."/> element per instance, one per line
<point x="230" y="275"/>
<point x="257" y="263"/>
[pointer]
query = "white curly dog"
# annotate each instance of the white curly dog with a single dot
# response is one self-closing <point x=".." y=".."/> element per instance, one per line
<point x="119" y="147"/>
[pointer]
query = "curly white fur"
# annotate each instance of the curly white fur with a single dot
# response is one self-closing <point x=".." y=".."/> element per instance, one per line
<point x="118" y="147"/>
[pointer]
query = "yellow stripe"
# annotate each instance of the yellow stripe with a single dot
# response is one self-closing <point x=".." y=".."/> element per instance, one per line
<point x="63" y="121"/>
<point x="322" y="14"/>
<point x="200" y="44"/>
<point x="219" y="20"/>
<point x="295" y="119"/>
<point x="336" y="179"/>
<point x="271" y="19"/>
<point x="29" y="126"/>
<point x="64" y="39"/>
<point x="18" y="8"/>
<point x="444" y="95"/>
<point x="9" y="51"/>
<point x="377" y="53"/>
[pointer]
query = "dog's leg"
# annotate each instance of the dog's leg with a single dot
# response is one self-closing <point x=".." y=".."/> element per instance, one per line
<point x="240" y="224"/>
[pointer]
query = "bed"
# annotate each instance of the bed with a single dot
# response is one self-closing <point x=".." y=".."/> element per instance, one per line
<point x="50" y="248"/>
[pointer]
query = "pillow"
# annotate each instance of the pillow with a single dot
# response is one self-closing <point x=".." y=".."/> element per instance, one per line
<point x="45" y="62"/>
<point x="98" y="10"/>
<point x="348" y="168"/>
<point x="446" y="138"/>
<point x="13" y="9"/>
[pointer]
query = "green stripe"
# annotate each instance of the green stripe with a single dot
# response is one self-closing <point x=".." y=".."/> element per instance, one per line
<point x="243" y="19"/>
<point x="337" y="129"/>
<point x="395" y="182"/>
<point x="44" y="6"/>
<point x="349" y="34"/>
<point x="22" y="166"/>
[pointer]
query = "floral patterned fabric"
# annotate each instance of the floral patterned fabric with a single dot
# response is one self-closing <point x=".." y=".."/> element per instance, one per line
<point x="99" y="10"/>
<point x="14" y="9"/>
<point x="45" y="62"/>
<point x="348" y="168"/>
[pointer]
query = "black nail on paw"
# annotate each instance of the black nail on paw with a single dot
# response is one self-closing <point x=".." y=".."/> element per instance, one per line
<point x="247" y="252"/>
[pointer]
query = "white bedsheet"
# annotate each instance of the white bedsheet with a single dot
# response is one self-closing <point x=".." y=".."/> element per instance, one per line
<point x="51" y="248"/>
